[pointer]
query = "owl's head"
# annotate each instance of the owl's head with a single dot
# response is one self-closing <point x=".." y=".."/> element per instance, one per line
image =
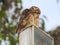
<point x="25" y="12"/>
<point x="35" y="9"/>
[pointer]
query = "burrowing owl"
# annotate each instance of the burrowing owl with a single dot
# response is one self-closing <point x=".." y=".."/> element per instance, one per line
<point x="27" y="18"/>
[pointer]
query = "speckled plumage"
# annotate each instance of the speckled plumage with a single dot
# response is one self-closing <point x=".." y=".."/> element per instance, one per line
<point x="27" y="18"/>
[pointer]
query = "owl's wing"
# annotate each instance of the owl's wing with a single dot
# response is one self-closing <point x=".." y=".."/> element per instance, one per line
<point x="21" y="18"/>
<point x="20" y="23"/>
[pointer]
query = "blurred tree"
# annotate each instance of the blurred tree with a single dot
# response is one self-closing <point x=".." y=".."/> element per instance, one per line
<point x="57" y="1"/>
<point x="56" y="35"/>
<point x="42" y="23"/>
<point x="8" y="28"/>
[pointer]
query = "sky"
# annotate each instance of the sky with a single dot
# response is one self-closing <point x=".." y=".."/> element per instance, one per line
<point x="49" y="8"/>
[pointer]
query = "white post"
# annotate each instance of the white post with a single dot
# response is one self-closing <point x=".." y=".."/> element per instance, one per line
<point x="27" y="36"/>
<point x="32" y="35"/>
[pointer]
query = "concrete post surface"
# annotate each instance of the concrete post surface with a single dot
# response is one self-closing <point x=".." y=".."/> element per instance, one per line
<point x="26" y="37"/>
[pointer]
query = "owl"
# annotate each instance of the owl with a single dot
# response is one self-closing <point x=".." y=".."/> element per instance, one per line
<point x="23" y="20"/>
<point x="29" y="17"/>
<point x="36" y="12"/>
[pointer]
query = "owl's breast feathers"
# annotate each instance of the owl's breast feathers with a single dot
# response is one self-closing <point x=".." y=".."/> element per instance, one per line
<point x="25" y="23"/>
